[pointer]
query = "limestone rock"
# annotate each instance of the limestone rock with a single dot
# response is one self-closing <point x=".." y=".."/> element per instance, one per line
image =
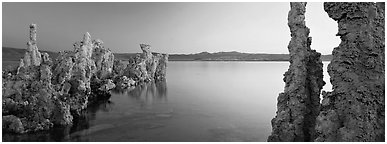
<point x="13" y="124"/>
<point x="41" y="92"/>
<point x="298" y="105"/>
<point x="136" y="69"/>
<point x="354" y="110"/>
<point x="161" y="69"/>
<point x="108" y="85"/>
<point x="63" y="67"/>
<point x="72" y="72"/>
<point x="32" y="56"/>
<point x="146" y="67"/>
<point x="146" y="53"/>
<point x="27" y="95"/>
<point x="118" y="67"/>
<point x="104" y="60"/>
<point x="124" y="82"/>
<point x="61" y="114"/>
<point x="84" y="66"/>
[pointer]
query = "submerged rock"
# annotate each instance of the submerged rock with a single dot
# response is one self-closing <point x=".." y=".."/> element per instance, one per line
<point x="298" y="105"/>
<point x="354" y="110"/>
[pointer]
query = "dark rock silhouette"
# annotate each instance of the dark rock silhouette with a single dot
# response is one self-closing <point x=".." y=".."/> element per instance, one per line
<point x="354" y="110"/>
<point x="298" y="105"/>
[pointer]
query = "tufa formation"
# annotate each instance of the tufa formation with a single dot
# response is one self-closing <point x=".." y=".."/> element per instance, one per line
<point x="298" y="105"/>
<point x="354" y="110"/>
<point x="43" y="93"/>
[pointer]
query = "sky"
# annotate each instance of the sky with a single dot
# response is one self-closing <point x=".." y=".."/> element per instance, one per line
<point x="175" y="28"/>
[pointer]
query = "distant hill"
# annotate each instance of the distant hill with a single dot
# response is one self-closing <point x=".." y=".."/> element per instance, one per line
<point x="12" y="56"/>
<point x="234" y="56"/>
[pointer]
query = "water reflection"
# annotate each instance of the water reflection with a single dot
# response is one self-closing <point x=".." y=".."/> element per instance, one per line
<point x="145" y="95"/>
<point x="150" y="93"/>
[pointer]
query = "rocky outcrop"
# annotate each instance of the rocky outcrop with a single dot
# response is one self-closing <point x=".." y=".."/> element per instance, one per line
<point x="61" y="113"/>
<point x="107" y="85"/>
<point x="13" y="124"/>
<point x="124" y="82"/>
<point x="32" y="56"/>
<point x="161" y="69"/>
<point x="27" y="96"/>
<point x="72" y="73"/>
<point x="41" y="93"/>
<point x="354" y="110"/>
<point x="298" y="105"/>
<point x="146" y="67"/>
<point x="104" y="60"/>
<point x="84" y="66"/>
<point x="118" y="67"/>
<point x="39" y="98"/>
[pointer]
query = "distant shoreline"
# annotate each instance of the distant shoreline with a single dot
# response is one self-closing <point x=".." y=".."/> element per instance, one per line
<point x="12" y="56"/>
<point x="243" y="60"/>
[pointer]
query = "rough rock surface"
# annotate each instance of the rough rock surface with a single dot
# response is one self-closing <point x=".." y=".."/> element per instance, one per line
<point x="27" y="95"/>
<point x="13" y="124"/>
<point x="124" y="82"/>
<point x="32" y="56"/>
<point x="146" y="67"/>
<point x="136" y="69"/>
<point x="107" y="85"/>
<point x="41" y="93"/>
<point x="118" y="67"/>
<point x="84" y="66"/>
<point x="72" y="72"/>
<point x="354" y="110"/>
<point x="161" y="69"/>
<point x="61" y="113"/>
<point x="104" y="60"/>
<point x="298" y="105"/>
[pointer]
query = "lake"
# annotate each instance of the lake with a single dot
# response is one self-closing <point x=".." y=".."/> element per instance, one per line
<point x="199" y="101"/>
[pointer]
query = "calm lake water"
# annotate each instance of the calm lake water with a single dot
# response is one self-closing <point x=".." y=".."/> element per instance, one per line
<point x="199" y="101"/>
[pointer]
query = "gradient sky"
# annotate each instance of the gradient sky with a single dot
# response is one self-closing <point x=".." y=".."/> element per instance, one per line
<point x="168" y="27"/>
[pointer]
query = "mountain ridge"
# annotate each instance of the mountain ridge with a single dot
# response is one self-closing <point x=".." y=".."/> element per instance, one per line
<point x="13" y="56"/>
